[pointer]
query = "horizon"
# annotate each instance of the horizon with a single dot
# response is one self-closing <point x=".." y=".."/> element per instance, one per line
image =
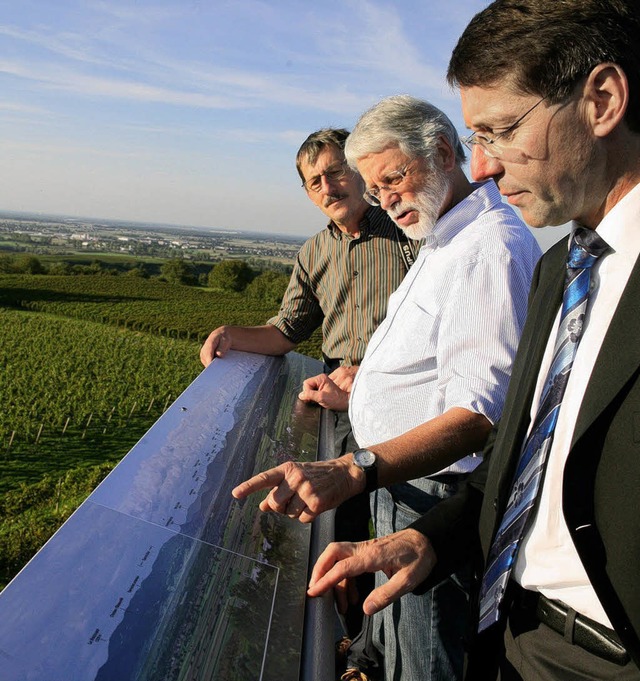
<point x="158" y="112"/>
<point x="173" y="112"/>
<point x="80" y="220"/>
<point x="546" y="237"/>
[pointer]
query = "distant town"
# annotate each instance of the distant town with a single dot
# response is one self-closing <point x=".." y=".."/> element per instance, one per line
<point x="61" y="235"/>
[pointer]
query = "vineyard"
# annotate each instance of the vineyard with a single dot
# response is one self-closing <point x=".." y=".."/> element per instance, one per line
<point x="88" y="364"/>
<point x="151" y="306"/>
<point x="66" y="377"/>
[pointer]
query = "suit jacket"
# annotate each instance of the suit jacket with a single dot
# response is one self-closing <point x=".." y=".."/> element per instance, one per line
<point x="601" y="485"/>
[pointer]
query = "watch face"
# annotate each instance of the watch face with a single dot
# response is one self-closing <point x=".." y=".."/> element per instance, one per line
<point x="364" y="458"/>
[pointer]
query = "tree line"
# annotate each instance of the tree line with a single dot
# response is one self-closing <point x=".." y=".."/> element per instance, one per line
<point x="225" y="275"/>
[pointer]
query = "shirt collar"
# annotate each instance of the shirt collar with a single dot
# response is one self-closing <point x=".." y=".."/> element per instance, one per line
<point x="484" y="196"/>
<point x="368" y="225"/>
<point x="619" y="227"/>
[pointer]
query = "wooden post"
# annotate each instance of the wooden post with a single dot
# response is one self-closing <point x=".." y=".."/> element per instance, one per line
<point x="58" y="493"/>
<point x="109" y="419"/>
<point x="84" y="432"/>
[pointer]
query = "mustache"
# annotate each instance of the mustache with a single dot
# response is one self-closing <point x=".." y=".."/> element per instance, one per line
<point x="396" y="211"/>
<point x="332" y="199"/>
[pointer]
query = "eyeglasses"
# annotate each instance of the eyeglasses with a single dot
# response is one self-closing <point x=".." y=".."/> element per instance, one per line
<point x="314" y="184"/>
<point x="392" y="182"/>
<point x="499" y="145"/>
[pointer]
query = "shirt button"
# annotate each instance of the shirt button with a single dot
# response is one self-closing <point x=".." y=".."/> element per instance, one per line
<point x="495" y="504"/>
<point x="355" y="274"/>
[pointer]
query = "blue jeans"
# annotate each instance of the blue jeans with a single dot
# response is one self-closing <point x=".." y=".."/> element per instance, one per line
<point x="421" y="637"/>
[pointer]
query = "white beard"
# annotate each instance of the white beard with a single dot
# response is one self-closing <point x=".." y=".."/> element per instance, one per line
<point x="428" y="204"/>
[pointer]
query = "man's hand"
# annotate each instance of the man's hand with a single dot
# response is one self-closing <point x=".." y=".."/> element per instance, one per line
<point x="304" y="490"/>
<point x="216" y="345"/>
<point x="406" y="557"/>
<point x="265" y="340"/>
<point x="343" y="377"/>
<point x="325" y="392"/>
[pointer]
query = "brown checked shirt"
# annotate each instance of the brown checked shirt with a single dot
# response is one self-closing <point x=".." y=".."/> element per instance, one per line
<point x="344" y="284"/>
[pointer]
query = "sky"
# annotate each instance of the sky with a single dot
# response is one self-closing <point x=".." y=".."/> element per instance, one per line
<point x="191" y="112"/>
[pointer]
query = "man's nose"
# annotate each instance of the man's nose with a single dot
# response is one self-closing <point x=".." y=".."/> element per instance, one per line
<point x="327" y="185"/>
<point x="388" y="197"/>
<point x="484" y="167"/>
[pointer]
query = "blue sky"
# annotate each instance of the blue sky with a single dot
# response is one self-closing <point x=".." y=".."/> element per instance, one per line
<point x="191" y="111"/>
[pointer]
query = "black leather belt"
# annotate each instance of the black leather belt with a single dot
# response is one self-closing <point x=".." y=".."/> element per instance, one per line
<point x="587" y="633"/>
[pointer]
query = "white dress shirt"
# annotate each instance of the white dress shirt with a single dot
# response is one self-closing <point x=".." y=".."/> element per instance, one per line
<point x="452" y="327"/>
<point x="547" y="560"/>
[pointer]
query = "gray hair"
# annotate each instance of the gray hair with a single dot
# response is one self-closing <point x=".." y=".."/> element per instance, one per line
<point x="317" y="142"/>
<point x="411" y="124"/>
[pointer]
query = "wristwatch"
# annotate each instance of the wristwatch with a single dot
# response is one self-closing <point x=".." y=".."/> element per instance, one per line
<point x="365" y="460"/>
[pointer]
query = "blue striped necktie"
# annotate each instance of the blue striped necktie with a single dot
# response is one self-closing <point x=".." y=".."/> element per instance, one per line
<point x="586" y="247"/>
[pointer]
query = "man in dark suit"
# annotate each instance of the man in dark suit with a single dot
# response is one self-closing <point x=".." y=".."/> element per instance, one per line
<point x="551" y="91"/>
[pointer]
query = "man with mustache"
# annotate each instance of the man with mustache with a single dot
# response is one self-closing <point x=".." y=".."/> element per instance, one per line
<point x="343" y="276"/>
<point x="342" y="280"/>
<point x="435" y="373"/>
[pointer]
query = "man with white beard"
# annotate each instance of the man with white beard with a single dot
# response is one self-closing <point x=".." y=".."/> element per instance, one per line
<point x="435" y="373"/>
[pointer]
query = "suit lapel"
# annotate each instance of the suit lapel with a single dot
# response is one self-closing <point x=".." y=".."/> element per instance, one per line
<point x="543" y="309"/>
<point x="618" y="359"/>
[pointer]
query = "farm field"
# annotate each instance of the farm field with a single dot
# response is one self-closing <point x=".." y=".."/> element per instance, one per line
<point x="133" y="303"/>
<point x="65" y="378"/>
<point x="88" y="364"/>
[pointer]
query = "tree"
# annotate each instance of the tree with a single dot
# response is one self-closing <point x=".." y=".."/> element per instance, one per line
<point x="138" y="271"/>
<point x="6" y="264"/>
<point x="177" y="271"/>
<point x="230" y="275"/>
<point x="28" y="264"/>
<point x="268" y="286"/>
<point x="60" y="268"/>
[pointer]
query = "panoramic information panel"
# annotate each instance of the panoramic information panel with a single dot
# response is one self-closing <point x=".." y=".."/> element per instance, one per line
<point x="161" y="574"/>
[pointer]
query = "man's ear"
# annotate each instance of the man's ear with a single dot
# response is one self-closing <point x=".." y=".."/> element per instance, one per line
<point x="606" y="92"/>
<point x="445" y="154"/>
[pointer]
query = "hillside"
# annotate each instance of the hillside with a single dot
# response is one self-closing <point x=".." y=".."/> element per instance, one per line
<point x="89" y="363"/>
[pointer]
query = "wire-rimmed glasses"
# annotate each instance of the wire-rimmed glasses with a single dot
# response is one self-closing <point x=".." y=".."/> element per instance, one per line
<point x="392" y="182"/>
<point x="333" y="173"/>
<point x="498" y="146"/>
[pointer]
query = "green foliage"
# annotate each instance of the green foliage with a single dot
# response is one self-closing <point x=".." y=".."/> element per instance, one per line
<point x="268" y="287"/>
<point x="177" y="271"/>
<point x="60" y="268"/>
<point x="56" y="368"/>
<point x="138" y="271"/>
<point x="88" y="364"/>
<point x="31" y="514"/>
<point x="147" y="305"/>
<point x="6" y="264"/>
<point x="27" y="264"/>
<point x="230" y="275"/>
<point x="78" y="392"/>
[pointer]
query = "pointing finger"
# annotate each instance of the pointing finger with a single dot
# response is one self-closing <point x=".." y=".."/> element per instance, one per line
<point x="264" y="480"/>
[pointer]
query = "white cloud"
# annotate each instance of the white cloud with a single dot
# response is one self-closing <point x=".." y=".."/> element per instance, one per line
<point x="138" y="13"/>
<point x="383" y="47"/>
<point x="61" y="44"/>
<point x="20" y="107"/>
<point x="152" y="106"/>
